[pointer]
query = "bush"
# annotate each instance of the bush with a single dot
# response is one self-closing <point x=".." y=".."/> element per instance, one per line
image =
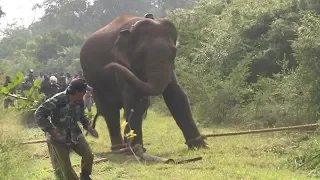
<point x="249" y="62"/>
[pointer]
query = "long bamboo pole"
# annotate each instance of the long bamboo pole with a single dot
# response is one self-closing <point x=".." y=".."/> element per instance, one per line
<point x="225" y="133"/>
<point x="263" y="130"/>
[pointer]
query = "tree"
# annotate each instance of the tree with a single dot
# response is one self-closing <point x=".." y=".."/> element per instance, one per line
<point x="168" y="5"/>
<point x="48" y="46"/>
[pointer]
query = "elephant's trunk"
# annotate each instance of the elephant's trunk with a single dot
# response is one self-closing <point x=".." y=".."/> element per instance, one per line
<point x="158" y="78"/>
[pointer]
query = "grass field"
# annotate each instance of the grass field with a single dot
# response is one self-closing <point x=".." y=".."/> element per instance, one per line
<point x="259" y="156"/>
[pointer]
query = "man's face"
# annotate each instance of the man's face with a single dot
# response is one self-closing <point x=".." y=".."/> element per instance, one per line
<point x="78" y="96"/>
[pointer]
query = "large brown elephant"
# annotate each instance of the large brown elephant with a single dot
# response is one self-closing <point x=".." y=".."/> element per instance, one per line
<point x="126" y="62"/>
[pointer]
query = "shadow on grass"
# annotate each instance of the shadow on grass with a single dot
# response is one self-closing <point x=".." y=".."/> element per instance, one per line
<point x="26" y="119"/>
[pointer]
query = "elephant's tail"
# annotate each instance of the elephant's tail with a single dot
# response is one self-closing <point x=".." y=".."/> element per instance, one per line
<point x="95" y="120"/>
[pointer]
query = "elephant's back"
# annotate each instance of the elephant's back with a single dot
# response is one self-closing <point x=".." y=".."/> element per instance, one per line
<point x="98" y="46"/>
<point x="96" y="51"/>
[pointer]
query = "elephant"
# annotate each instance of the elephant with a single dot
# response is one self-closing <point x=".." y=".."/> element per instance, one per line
<point x="126" y="62"/>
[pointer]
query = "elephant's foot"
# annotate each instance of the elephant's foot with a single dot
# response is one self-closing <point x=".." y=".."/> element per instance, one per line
<point x="117" y="143"/>
<point x="117" y="147"/>
<point x="197" y="143"/>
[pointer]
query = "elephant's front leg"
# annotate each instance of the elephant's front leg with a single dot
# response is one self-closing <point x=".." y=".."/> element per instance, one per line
<point x="111" y="115"/>
<point x="178" y="104"/>
<point x="135" y="107"/>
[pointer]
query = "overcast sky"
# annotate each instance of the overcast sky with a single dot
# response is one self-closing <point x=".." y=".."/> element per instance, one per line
<point x="20" y="10"/>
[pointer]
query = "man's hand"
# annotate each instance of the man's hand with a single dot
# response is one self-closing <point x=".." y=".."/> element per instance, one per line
<point x="93" y="132"/>
<point x="56" y="136"/>
<point x="54" y="133"/>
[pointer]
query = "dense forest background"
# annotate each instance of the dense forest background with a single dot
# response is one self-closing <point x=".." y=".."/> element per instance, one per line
<point x="245" y="62"/>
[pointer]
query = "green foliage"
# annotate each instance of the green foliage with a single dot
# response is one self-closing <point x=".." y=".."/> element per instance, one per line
<point x="49" y="46"/>
<point x="8" y="152"/>
<point x="57" y="51"/>
<point x="17" y="80"/>
<point x="11" y="44"/>
<point x="26" y="101"/>
<point x="89" y="115"/>
<point x="87" y="16"/>
<point x="307" y="52"/>
<point x="254" y="62"/>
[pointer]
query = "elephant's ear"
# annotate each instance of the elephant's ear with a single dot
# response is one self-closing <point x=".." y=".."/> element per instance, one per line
<point x="121" y="48"/>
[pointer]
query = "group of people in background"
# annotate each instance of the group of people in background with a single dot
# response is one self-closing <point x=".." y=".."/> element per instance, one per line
<point x="51" y="84"/>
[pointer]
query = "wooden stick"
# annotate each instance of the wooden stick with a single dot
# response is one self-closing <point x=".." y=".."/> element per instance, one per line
<point x="34" y="141"/>
<point x="19" y="97"/>
<point x="263" y="130"/>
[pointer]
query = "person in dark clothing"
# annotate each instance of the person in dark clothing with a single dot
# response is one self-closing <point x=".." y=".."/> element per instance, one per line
<point x="41" y="76"/>
<point x="30" y="76"/>
<point x="48" y="88"/>
<point x="68" y="78"/>
<point x="44" y="84"/>
<point x="63" y="133"/>
<point x="8" y="101"/>
<point x="62" y="83"/>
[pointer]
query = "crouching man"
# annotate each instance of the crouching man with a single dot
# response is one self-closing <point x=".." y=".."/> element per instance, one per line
<point x="58" y="117"/>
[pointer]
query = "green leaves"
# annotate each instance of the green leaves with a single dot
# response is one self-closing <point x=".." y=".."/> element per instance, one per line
<point x="19" y="78"/>
<point x="89" y="114"/>
<point x="4" y="90"/>
<point x="31" y="96"/>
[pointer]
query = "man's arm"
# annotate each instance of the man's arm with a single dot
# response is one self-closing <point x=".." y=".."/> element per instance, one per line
<point x="85" y="122"/>
<point x="43" y="112"/>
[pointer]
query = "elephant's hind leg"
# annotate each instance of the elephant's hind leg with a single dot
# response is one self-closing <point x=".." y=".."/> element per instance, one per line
<point x="178" y="104"/>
